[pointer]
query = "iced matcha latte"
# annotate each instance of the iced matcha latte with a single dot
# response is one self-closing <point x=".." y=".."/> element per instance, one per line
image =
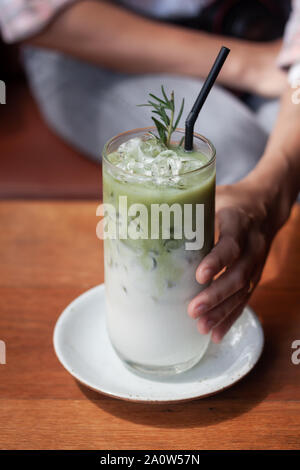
<point x="150" y="271"/>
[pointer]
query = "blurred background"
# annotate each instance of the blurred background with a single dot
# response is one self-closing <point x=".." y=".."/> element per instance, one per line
<point x="35" y="163"/>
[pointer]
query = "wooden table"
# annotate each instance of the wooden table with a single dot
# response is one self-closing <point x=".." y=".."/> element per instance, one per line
<point x="49" y="254"/>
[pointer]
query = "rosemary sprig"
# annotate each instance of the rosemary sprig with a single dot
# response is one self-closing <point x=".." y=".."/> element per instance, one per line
<point x="165" y="124"/>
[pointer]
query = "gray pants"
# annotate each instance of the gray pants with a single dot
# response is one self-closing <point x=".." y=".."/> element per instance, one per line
<point x="87" y="105"/>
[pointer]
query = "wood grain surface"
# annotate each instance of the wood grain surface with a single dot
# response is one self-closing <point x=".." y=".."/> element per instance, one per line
<point x="49" y="254"/>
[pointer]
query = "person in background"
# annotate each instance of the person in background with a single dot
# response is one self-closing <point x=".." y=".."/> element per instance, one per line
<point x="90" y="62"/>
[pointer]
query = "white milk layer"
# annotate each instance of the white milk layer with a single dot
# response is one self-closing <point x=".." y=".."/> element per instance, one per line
<point x="147" y="308"/>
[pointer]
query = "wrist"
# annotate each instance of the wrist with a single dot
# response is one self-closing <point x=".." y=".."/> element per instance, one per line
<point x="256" y="70"/>
<point x="252" y="66"/>
<point x="243" y="65"/>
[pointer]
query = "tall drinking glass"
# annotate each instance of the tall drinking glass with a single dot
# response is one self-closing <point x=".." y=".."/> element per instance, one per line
<point x="149" y="281"/>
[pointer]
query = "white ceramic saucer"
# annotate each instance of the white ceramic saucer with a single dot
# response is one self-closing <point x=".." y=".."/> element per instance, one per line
<point x="83" y="347"/>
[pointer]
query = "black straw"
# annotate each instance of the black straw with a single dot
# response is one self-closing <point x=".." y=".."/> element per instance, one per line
<point x="194" y="113"/>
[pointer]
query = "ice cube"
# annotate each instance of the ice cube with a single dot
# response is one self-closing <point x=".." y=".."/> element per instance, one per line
<point x="191" y="164"/>
<point x="167" y="163"/>
<point x="148" y="157"/>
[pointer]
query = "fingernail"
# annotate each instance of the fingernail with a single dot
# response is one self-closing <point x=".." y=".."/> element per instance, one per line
<point x="204" y="327"/>
<point x="201" y="309"/>
<point x="209" y="324"/>
<point x="206" y="275"/>
<point x="216" y="339"/>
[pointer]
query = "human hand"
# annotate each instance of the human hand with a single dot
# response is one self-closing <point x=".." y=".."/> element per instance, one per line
<point x="246" y="226"/>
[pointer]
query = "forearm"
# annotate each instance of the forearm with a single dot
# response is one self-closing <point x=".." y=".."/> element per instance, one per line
<point x="118" y="39"/>
<point x="277" y="174"/>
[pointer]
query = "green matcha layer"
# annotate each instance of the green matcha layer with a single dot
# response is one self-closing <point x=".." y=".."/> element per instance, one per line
<point x="148" y="173"/>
